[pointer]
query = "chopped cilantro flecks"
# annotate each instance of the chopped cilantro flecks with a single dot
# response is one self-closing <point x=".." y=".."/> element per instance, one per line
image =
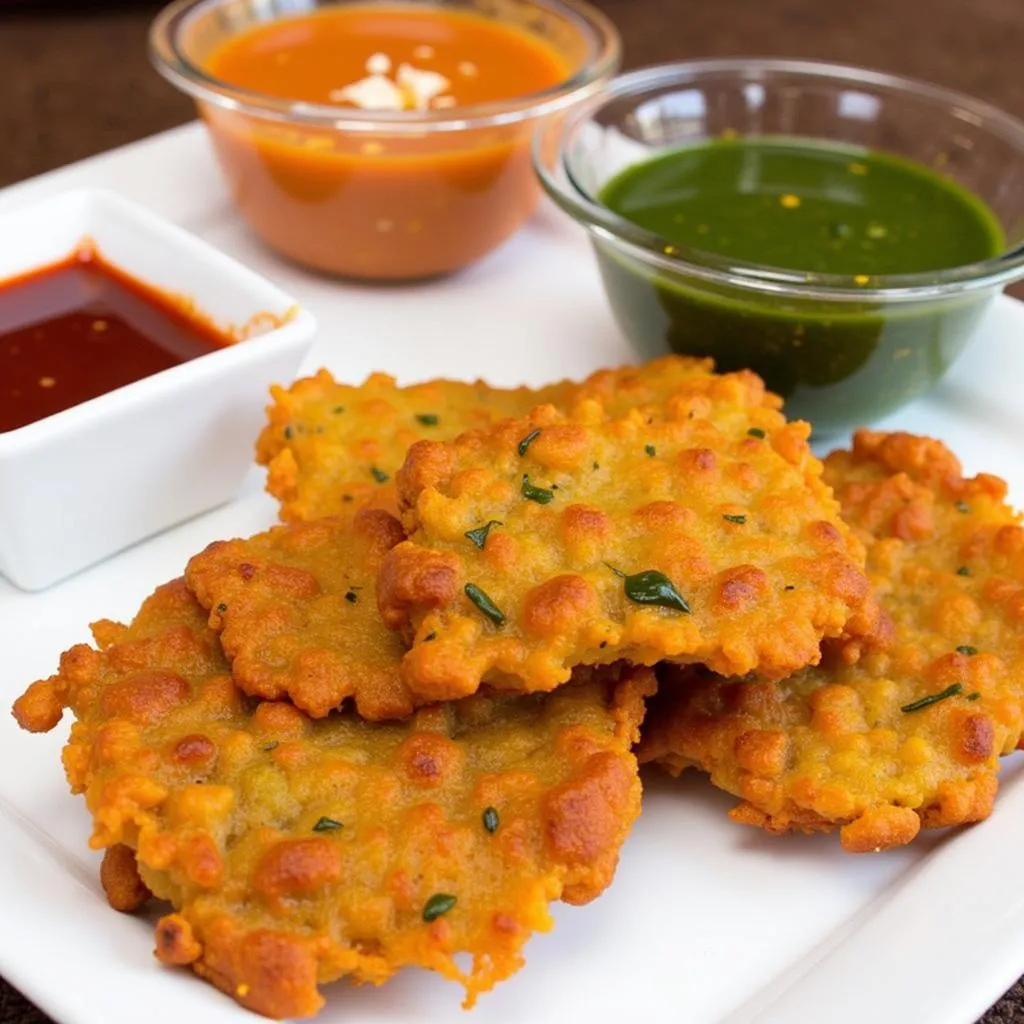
<point x="967" y="649"/>
<point x="651" y="450"/>
<point x="222" y="608"/>
<point x="528" y="440"/>
<point x="740" y="520"/>
<point x="755" y="432"/>
<point x="962" y="506"/>
<point x="379" y="475"/>
<point x="479" y="535"/>
<point x="974" y="696"/>
<point x="485" y="604"/>
<point x="326" y="825"/>
<point x="490" y="819"/>
<point x="430" y="636"/>
<point x="541" y="495"/>
<point x="288" y="433"/>
<point x="428" y="419"/>
<point x="932" y="698"/>
<point x="438" y="904"/>
<point x="963" y="571"/>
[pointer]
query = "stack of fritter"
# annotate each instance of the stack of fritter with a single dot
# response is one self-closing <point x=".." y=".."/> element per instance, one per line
<point x="393" y="730"/>
<point x="902" y="729"/>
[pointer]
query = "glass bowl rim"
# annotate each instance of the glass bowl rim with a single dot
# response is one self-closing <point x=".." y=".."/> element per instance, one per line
<point x="653" y="249"/>
<point x="168" y="57"/>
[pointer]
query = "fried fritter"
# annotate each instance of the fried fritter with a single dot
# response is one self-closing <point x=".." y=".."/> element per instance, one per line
<point x="697" y="529"/>
<point x="122" y="884"/>
<point x="331" y="447"/>
<point x="902" y="730"/>
<point x="296" y="852"/>
<point x="295" y="606"/>
<point x="297" y="615"/>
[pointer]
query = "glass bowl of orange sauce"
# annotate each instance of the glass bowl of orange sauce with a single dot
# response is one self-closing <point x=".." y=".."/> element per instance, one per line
<point x="379" y="140"/>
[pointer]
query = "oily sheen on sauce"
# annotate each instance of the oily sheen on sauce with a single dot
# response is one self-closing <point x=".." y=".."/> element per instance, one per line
<point x="80" y="328"/>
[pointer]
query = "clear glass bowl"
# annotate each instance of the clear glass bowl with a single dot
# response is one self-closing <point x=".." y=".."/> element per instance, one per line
<point x="841" y="351"/>
<point x="371" y="194"/>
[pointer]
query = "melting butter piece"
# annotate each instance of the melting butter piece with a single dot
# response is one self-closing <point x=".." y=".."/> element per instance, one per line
<point x="420" y="87"/>
<point x="378" y="64"/>
<point x="375" y="92"/>
<point x="411" y="88"/>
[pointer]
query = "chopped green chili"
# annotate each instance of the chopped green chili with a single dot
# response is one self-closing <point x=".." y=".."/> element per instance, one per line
<point x="974" y="696"/>
<point x="528" y="440"/>
<point x="933" y="698"/>
<point x="479" y="535"/>
<point x="288" y="433"/>
<point x="541" y="495"/>
<point x="651" y="450"/>
<point x="740" y="520"/>
<point x="963" y="571"/>
<point x="652" y="587"/>
<point x="326" y="825"/>
<point x="485" y="604"/>
<point x="438" y="904"/>
<point x="962" y="506"/>
<point x="379" y="475"/>
<point x="490" y="818"/>
<point x="967" y="649"/>
<point x="428" y="419"/>
<point x="430" y="636"/>
<point x="222" y="608"/>
<point x="755" y="432"/>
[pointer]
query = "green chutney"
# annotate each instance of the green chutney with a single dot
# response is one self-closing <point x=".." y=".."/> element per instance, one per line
<point x="811" y="208"/>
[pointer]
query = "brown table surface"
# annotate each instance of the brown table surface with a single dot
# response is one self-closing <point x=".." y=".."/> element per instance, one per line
<point x="76" y="82"/>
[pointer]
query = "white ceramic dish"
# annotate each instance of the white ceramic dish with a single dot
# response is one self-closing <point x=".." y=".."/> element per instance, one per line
<point x="91" y="480"/>
<point x="707" y="923"/>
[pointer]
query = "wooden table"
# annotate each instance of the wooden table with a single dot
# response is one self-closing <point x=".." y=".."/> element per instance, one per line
<point x="76" y="81"/>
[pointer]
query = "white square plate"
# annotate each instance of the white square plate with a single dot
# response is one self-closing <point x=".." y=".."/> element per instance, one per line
<point x="706" y="922"/>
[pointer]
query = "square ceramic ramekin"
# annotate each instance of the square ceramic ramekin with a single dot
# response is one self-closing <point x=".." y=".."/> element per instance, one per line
<point x="78" y="486"/>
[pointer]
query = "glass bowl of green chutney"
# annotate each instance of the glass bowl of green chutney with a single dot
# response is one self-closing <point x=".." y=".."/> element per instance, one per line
<point x="837" y="230"/>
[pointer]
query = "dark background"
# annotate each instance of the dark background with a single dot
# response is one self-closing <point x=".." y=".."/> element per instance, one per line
<point x="74" y="81"/>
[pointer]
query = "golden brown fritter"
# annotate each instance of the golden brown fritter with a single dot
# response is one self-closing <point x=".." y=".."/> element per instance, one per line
<point x="330" y="447"/>
<point x="901" y="731"/>
<point x="122" y="884"/>
<point x="697" y="529"/>
<point x="624" y="388"/>
<point x="298" y="618"/>
<point x="296" y="852"/>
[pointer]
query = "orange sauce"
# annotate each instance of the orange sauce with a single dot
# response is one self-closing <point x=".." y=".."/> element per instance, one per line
<point x="381" y="205"/>
<point x="307" y="58"/>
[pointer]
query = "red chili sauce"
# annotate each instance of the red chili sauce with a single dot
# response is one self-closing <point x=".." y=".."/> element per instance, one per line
<point x="80" y="328"/>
